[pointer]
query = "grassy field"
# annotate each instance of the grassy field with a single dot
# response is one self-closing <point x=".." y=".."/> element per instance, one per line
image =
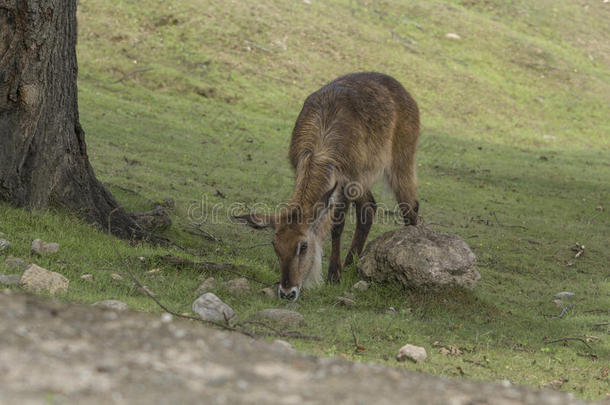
<point x="195" y="101"/>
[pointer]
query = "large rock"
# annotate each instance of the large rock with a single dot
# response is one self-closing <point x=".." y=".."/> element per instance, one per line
<point x="418" y="256"/>
<point x="282" y="318"/>
<point x="38" y="279"/>
<point x="9" y="279"/>
<point x="42" y="248"/>
<point x="16" y="263"/>
<point x="211" y="308"/>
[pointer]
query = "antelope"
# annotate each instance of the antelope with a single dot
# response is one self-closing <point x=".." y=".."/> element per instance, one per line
<point x="348" y="133"/>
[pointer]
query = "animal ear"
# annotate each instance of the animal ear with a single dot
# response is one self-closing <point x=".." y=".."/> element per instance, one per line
<point x="257" y="221"/>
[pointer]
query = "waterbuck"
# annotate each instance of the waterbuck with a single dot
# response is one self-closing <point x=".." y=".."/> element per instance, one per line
<point x="348" y="133"/>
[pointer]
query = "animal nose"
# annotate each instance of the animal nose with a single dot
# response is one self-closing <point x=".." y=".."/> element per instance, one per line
<point x="289" y="293"/>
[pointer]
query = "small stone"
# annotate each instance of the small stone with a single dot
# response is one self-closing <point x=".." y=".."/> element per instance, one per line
<point x="87" y="277"/>
<point x="283" y="318"/>
<point x="37" y="279"/>
<point x="16" y="262"/>
<point x="564" y="294"/>
<point x="206" y="286"/>
<point x="452" y="35"/>
<point x="269" y="292"/>
<point x="556" y="384"/>
<point x="42" y="248"/>
<point x="283" y="345"/>
<point x="10" y="279"/>
<point x="348" y="302"/>
<point x="361" y="285"/>
<point x="166" y="317"/>
<point x="349" y="294"/>
<point x="116" y="276"/>
<point x="238" y="286"/>
<point x="111" y="304"/>
<point x="416" y="354"/>
<point x="210" y="308"/>
<point x="4" y="245"/>
<point x="390" y="311"/>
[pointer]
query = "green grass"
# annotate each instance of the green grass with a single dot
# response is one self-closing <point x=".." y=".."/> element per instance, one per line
<point x="514" y="157"/>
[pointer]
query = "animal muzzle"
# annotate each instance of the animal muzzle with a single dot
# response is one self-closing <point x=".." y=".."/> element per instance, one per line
<point x="291" y="293"/>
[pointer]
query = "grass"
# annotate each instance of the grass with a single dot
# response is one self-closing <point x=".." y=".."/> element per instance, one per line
<point x="195" y="102"/>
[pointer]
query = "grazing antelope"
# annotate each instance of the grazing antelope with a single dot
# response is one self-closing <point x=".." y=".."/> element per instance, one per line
<point x="348" y="133"/>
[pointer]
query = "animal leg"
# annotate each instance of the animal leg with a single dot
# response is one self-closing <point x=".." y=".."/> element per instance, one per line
<point x="365" y="213"/>
<point x="334" y="265"/>
<point x="403" y="181"/>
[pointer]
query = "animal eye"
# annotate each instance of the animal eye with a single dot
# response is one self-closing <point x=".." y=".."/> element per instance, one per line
<point x="301" y="248"/>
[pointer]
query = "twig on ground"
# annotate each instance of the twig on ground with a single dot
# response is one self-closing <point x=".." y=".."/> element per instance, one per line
<point x="133" y="72"/>
<point x="202" y="232"/>
<point x="565" y="339"/>
<point x="228" y="267"/>
<point x="226" y="325"/>
<point x="255" y="45"/>
<point x="281" y="333"/>
<point x="589" y="311"/>
<point x="475" y="363"/>
<point x="507" y="226"/>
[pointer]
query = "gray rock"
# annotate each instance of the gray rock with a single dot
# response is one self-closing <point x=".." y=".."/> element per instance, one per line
<point x="564" y="294"/>
<point x="116" y="277"/>
<point x="111" y="304"/>
<point x="414" y="353"/>
<point x="283" y="345"/>
<point x="348" y="302"/>
<point x="269" y="292"/>
<point x="10" y="279"/>
<point x="16" y="263"/>
<point x="207" y="285"/>
<point x="282" y="318"/>
<point x="4" y="245"/>
<point x="238" y="286"/>
<point x="349" y="294"/>
<point x="42" y="248"/>
<point x="38" y="279"/>
<point x="361" y="285"/>
<point x="210" y="308"/>
<point x="417" y="256"/>
<point x="87" y="277"/>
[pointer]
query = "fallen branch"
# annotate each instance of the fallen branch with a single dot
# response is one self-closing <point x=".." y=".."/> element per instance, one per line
<point x="476" y="363"/>
<point x="565" y="339"/>
<point x="212" y="266"/>
<point x="202" y="232"/>
<point x="226" y="326"/>
<point x="507" y="226"/>
<point x="282" y="333"/>
<point x="133" y="72"/>
<point x="255" y="45"/>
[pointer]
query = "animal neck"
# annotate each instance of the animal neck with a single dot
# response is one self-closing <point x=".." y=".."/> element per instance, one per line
<point x="313" y="180"/>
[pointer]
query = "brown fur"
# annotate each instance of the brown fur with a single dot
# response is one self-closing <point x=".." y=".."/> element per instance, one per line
<point x="349" y="132"/>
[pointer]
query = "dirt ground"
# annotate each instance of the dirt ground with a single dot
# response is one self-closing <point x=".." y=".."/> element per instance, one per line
<point x="52" y="352"/>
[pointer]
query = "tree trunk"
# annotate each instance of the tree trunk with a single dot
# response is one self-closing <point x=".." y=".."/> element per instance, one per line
<point x="43" y="157"/>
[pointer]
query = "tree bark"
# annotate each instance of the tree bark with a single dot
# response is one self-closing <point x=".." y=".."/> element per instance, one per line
<point x="43" y="157"/>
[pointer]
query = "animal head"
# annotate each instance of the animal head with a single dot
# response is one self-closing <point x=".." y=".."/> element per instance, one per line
<point x="297" y="241"/>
